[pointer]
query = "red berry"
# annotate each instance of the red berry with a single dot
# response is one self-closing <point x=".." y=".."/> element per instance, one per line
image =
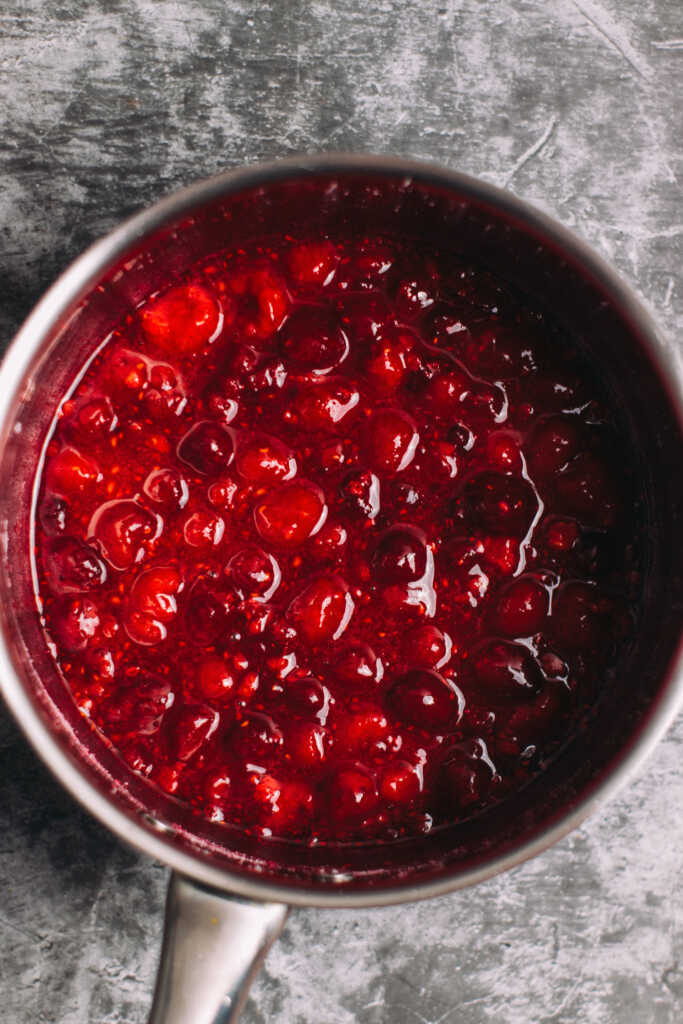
<point x="351" y="793"/>
<point x="424" y="698"/>
<point x="203" y="530"/>
<point x="313" y="263"/>
<point x="256" y="739"/>
<point x="75" y="621"/>
<point x="521" y="608"/>
<point x="323" y="405"/>
<point x="254" y="572"/>
<point x="181" y="320"/>
<point x="365" y="728"/>
<point x="154" y="592"/>
<point x="264" y="460"/>
<point x="389" y="357"/>
<point x="553" y="444"/>
<point x="140" y="708"/>
<point x="428" y="647"/>
<point x="207" y="612"/>
<point x="585" y="490"/>
<point x="208" y="447"/>
<point x="401" y="556"/>
<point x="365" y="315"/>
<point x="415" y="295"/>
<point x="357" y="665"/>
<point x="72" y="567"/>
<point x="307" y="696"/>
<point x="95" y="419"/>
<point x="126" y="374"/>
<point x="502" y="353"/>
<point x="466" y="775"/>
<point x="281" y="805"/>
<point x="576" y="622"/>
<point x="307" y="745"/>
<point x="502" y="452"/>
<point x="194" y="727"/>
<point x="504" y="671"/>
<point x="262" y="300"/>
<point x="70" y="473"/>
<point x="216" y="680"/>
<point x="311" y="341"/>
<point x="168" y="488"/>
<point x="400" y="783"/>
<point x="497" y="504"/>
<point x="290" y="515"/>
<point x="323" y="610"/>
<point x="124" y="530"/>
<point x="361" y="494"/>
<point x="392" y="440"/>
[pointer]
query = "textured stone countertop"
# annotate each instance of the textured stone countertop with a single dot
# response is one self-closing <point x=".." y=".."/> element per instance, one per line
<point x="105" y="105"/>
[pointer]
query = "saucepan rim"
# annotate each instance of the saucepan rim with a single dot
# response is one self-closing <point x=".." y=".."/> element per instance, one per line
<point x="60" y="300"/>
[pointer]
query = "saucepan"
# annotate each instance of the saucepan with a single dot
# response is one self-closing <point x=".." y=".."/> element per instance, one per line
<point x="229" y="893"/>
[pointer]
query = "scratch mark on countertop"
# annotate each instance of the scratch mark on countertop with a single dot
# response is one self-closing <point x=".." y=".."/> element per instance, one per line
<point x="531" y="152"/>
<point x="605" y="26"/>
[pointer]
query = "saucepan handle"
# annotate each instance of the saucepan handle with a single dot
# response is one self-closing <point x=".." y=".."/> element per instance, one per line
<point x="214" y="944"/>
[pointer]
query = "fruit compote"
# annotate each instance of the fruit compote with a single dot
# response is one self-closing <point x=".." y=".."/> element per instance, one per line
<point x="335" y="539"/>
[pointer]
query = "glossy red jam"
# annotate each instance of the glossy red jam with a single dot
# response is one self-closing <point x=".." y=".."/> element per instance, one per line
<point x="335" y="539"/>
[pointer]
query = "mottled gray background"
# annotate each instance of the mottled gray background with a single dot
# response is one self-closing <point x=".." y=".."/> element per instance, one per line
<point x="575" y="104"/>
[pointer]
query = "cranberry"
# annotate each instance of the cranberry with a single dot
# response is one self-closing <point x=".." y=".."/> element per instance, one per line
<point x="72" y="566"/>
<point x="357" y="665"/>
<point x="502" y="352"/>
<point x="154" y="592"/>
<point x="522" y="608"/>
<point x="312" y="341"/>
<point x="554" y="442"/>
<point x="307" y="745"/>
<point x="323" y="610"/>
<point x="126" y="374"/>
<point x="504" y="671"/>
<point x="280" y="804"/>
<point x="168" y="488"/>
<point x="535" y="723"/>
<point x="123" y="529"/>
<point x="389" y="358"/>
<point x="255" y="572"/>
<point x="400" y="783"/>
<point x="467" y="774"/>
<point x="503" y="454"/>
<point x="428" y="647"/>
<point x="264" y="300"/>
<point x="140" y="708"/>
<point x="415" y="295"/>
<point x="586" y="491"/>
<point x="71" y="473"/>
<point x="424" y="698"/>
<point x="366" y="728"/>
<point x="361" y="494"/>
<point x="324" y="404"/>
<point x="392" y="439"/>
<point x="203" y="530"/>
<point x="369" y="264"/>
<point x="181" y="320"/>
<point x="307" y="696"/>
<point x="256" y="738"/>
<point x="53" y="515"/>
<point x="216" y="680"/>
<point x="365" y="315"/>
<point x="498" y="504"/>
<point x="577" y="617"/>
<point x="351" y="793"/>
<point x="264" y="460"/>
<point x="561" y="535"/>
<point x="96" y="418"/>
<point x="207" y="612"/>
<point x="291" y="514"/>
<point x="313" y="263"/>
<point x="401" y="555"/>
<point x="208" y="448"/>
<point x="76" y="621"/>
<point x="194" y="727"/>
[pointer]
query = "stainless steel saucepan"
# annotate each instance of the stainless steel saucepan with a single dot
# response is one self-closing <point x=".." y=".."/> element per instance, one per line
<point x="229" y="894"/>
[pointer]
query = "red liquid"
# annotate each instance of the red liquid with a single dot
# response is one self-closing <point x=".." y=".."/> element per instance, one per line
<point x="331" y="542"/>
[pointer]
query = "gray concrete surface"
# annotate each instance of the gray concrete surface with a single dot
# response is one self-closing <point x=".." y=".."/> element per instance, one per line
<point x="576" y="104"/>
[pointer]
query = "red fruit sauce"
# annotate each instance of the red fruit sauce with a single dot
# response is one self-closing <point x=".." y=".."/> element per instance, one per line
<point x="330" y="539"/>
